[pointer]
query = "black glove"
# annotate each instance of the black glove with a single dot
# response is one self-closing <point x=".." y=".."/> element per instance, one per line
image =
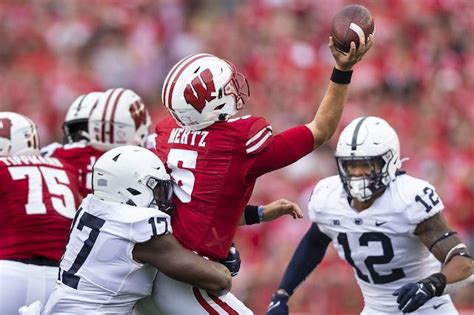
<point x="413" y="295"/>
<point x="232" y="261"/>
<point x="278" y="305"/>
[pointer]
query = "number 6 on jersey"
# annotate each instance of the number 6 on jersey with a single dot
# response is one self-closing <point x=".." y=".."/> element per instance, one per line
<point x="180" y="161"/>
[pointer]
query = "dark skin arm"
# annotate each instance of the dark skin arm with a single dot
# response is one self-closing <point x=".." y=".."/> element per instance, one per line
<point x="458" y="268"/>
<point x="169" y="257"/>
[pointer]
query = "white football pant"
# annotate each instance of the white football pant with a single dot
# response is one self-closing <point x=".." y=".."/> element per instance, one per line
<point x="172" y="297"/>
<point x="22" y="284"/>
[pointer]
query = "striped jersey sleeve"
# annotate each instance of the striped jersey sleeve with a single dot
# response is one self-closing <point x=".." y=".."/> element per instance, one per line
<point x="259" y="136"/>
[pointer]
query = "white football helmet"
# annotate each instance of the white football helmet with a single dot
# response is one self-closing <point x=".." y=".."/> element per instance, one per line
<point x="18" y="135"/>
<point x="76" y="122"/>
<point x="132" y="175"/>
<point x="202" y="89"/>
<point x="120" y="118"/>
<point x="372" y="140"/>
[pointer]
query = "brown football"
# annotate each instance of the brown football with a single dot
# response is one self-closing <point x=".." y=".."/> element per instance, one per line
<point x="350" y="23"/>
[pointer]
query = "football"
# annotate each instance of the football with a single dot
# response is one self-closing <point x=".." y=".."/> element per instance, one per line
<point x="350" y="23"/>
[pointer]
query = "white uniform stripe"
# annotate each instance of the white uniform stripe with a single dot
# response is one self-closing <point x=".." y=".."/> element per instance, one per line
<point x="260" y="143"/>
<point x="257" y="135"/>
<point x="115" y="93"/>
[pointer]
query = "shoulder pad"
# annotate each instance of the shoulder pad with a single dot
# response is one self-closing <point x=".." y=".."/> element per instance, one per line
<point x="257" y="132"/>
<point x="156" y="225"/>
<point x="320" y="194"/>
<point x="420" y="198"/>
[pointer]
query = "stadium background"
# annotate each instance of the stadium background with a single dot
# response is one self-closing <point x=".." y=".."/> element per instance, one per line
<point x="419" y="77"/>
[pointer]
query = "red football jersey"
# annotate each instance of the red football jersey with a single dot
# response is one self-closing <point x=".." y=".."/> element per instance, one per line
<point x="38" y="199"/>
<point x="83" y="157"/>
<point x="215" y="170"/>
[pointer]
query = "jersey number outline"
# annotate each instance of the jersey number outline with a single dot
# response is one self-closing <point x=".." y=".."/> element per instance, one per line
<point x="370" y="261"/>
<point x="62" y="198"/>
<point x="431" y="196"/>
<point x="181" y="162"/>
<point x="69" y="277"/>
<point x="153" y="221"/>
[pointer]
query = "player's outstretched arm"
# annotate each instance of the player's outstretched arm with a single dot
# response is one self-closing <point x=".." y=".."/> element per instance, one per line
<point x="330" y="109"/>
<point x="168" y="256"/>
<point x="455" y="272"/>
<point x="309" y="253"/>
<point x="271" y="211"/>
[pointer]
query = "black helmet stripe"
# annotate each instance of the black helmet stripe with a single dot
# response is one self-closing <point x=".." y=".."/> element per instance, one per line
<point x="356" y="133"/>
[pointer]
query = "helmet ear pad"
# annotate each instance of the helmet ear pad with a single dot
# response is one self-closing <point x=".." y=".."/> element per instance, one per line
<point x="373" y="140"/>
<point x="203" y="89"/>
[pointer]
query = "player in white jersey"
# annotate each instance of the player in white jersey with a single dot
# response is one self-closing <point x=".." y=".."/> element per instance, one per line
<point x="386" y="224"/>
<point x="121" y="235"/>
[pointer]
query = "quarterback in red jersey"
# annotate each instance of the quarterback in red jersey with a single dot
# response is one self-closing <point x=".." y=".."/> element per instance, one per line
<point x="97" y="122"/>
<point x="38" y="197"/>
<point x="215" y="159"/>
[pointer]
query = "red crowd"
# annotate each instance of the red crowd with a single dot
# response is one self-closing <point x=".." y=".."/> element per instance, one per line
<point x="418" y="77"/>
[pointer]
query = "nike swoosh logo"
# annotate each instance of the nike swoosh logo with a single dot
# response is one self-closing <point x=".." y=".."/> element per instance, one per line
<point x="377" y="223"/>
<point x="272" y="306"/>
<point x="438" y="306"/>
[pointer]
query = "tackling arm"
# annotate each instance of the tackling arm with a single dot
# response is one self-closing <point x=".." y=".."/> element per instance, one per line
<point x="168" y="256"/>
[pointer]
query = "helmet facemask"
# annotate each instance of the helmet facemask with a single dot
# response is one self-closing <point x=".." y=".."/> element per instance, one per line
<point x="238" y="86"/>
<point x="75" y="126"/>
<point x="75" y="131"/>
<point x="162" y="194"/>
<point x="373" y="174"/>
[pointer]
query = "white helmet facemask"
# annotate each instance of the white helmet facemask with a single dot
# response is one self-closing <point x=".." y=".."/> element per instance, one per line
<point x="373" y="144"/>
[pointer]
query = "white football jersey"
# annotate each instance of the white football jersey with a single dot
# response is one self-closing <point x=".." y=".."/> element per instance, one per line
<point x="97" y="272"/>
<point x="379" y="242"/>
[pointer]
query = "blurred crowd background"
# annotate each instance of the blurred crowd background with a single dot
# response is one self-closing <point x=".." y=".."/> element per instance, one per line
<point x="419" y="77"/>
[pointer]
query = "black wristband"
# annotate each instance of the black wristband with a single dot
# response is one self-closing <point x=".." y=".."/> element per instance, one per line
<point x="341" y="77"/>
<point x="445" y="235"/>
<point x="437" y="281"/>
<point x="251" y="215"/>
